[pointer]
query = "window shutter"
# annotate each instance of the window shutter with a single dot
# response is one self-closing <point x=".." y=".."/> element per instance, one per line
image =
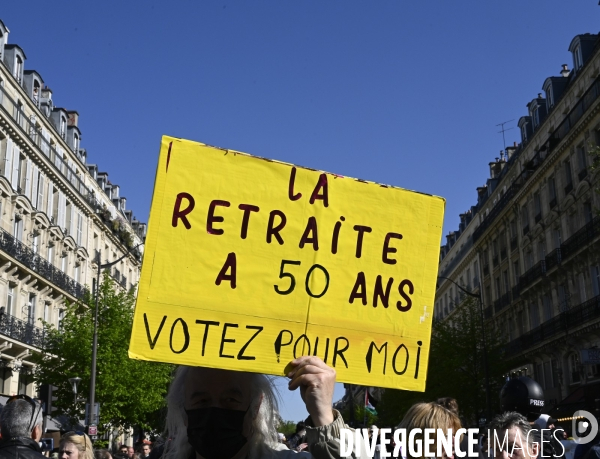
<point x="34" y="186"/>
<point x="16" y="162"/>
<point x="28" y="177"/>
<point x="8" y="160"/>
<point x="46" y="142"/>
<point x="50" y="206"/>
<point x="62" y="202"/>
<point x="40" y="199"/>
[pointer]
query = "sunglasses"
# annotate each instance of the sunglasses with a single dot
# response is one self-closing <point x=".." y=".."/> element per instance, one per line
<point x="34" y="404"/>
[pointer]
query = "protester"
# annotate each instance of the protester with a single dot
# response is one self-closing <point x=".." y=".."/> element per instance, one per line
<point x="104" y="453"/>
<point x="429" y="416"/>
<point x="75" y="445"/>
<point x="522" y="439"/>
<point x="130" y="452"/>
<point x="229" y="414"/>
<point x="123" y="450"/>
<point x="451" y="404"/>
<point x="145" y="450"/>
<point x="21" y="427"/>
<point x="298" y="438"/>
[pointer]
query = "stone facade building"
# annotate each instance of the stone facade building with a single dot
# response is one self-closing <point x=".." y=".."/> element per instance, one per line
<point x="531" y="244"/>
<point x="58" y="215"/>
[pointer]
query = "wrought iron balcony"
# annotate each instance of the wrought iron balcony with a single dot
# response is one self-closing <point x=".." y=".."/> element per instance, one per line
<point x="502" y="302"/>
<point x="553" y="259"/>
<point x="581" y="238"/>
<point x="20" y="330"/>
<point x="532" y="274"/>
<point x="577" y="316"/>
<point x="36" y="263"/>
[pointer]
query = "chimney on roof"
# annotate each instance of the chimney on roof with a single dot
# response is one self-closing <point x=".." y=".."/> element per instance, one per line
<point x="565" y="70"/>
<point x="539" y="95"/>
<point x="73" y="119"/>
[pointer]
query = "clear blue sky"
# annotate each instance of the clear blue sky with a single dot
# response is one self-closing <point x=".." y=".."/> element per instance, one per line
<point x="406" y="93"/>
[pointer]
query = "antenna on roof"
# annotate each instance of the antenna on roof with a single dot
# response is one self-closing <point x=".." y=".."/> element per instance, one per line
<point x="504" y="130"/>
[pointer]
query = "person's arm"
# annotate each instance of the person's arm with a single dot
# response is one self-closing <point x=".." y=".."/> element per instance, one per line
<point x="316" y="381"/>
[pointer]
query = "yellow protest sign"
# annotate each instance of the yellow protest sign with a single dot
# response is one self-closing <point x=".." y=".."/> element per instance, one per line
<point x="251" y="262"/>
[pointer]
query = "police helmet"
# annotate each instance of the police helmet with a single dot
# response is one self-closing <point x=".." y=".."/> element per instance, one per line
<point x="523" y="395"/>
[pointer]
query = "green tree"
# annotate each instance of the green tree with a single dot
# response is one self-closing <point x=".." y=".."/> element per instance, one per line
<point x="287" y="428"/>
<point x="455" y="368"/>
<point x="130" y="392"/>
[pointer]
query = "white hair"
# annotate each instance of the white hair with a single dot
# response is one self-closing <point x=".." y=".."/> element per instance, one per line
<point x="264" y="439"/>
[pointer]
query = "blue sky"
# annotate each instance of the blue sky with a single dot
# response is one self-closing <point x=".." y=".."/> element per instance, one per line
<point x="406" y="93"/>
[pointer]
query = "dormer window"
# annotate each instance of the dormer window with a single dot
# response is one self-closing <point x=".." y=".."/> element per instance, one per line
<point x="36" y="92"/>
<point x="549" y="96"/>
<point x="63" y="126"/>
<point x="75" y="142"/>
<point x="19" y="68"/>
<point x="524" y="132"/>
<point x="577" y="58"/>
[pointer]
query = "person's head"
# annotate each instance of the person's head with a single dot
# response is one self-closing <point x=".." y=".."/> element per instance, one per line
<point x="145" y="449"/>
<point x="103" y="454"/>
<point x="75" y="445"/>
<point x="449" y="403"/>
<point x="130" y="452"/>
<point x="222" y="412"/>
<point x="301" y="429"/>
<point x="522" y="395"/>
<point x="511" y="435"/>
<point x="124" y="449"/>
<point x="429" y="416"/>
<point x="21" y="417"/>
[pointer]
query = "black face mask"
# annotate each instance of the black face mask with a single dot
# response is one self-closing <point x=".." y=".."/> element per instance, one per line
<point x="216" y="433"/>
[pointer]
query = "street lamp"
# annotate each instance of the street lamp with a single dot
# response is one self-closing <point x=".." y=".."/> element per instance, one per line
<point x="484" y="345"/>
<point x="74" y="382"/>
<point x="92" y="419"/>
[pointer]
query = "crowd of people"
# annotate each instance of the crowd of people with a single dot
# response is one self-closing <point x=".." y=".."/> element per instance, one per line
<point x="221" y="414"/>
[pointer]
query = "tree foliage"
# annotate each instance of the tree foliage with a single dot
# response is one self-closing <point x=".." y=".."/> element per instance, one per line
<point x="287" y="428"/>
<point x="455" y="368"/>
<point x="130" y="392"/>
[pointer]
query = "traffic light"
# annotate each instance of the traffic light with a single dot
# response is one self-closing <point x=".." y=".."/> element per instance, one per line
<point x="48" y="397"/>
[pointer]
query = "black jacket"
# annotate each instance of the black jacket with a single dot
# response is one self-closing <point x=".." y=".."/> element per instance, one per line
<point x="20" y="448"/>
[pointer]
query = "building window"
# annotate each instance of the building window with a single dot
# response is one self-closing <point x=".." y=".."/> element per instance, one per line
<point x="516" y="271"/>
<point x="525" y="219"/>
<point x="10" y="301"/>
<point x="61" y="316"/>
<point x="36" y="92"/>
<point x="534" y="315"/>
<point x="63" y="127"/>
<point x="577" y="58"/>
<point x="551" y="192"/>
<point x="51" y="254"/>
<point x="557" y="238"/>
<point x="537" y="205"/>
<point x="588" y="213"/>
<point x="549" y="96"/>
<point x="582" y="291"/>
<point x="574" y="368"/>
<point x="75" y="143"/>
<point x="581" y="158"/>
<point x="35" y="245"/>
<point x="568" y="177"/>
<point x="46" y="312"/>
<point x="18" y="229"/>
<point x="19" y="68"/>
<point x="547" y="304"/>
<point x="563" y="298"/>
<point x="595" y="272"/>
<point x="76" y="273"/>
<point x="24" y="379"/>
<point x="63" y="263"/>
<point x="31" y="309"/>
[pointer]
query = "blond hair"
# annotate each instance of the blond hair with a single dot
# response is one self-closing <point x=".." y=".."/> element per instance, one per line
<point x="81" y="441"/>
<point x="429" y="416"/>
